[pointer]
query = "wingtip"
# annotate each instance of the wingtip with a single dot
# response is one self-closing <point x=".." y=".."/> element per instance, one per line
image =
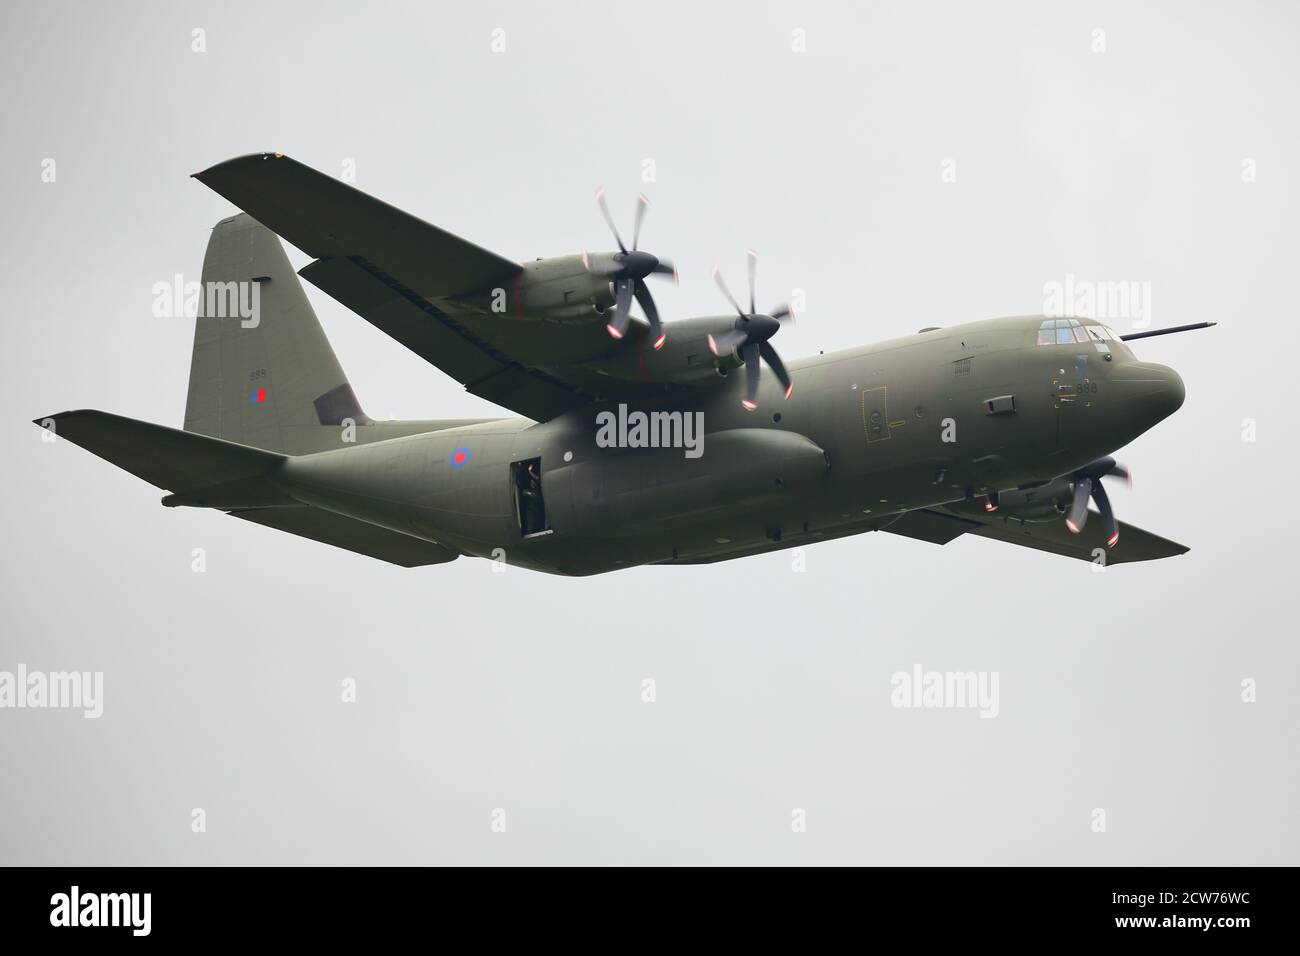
<point x="237" y="161"/>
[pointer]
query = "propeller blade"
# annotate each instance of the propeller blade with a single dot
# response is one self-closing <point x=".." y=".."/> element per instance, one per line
<point x="752" y="369"/>
<point x="604" y="211"/>
<point x="991" y="501"/>
<point x="1078" y="516"/>
<point x="641" y="204"/>
<point x="647" y="303"/>
<point x="777" y="366"/>
<point x="717" y="277"/>
<point x="752" y="256"/>
<point x="665" y="268"/>
<point x="726" y="342"/>
<point x="782" y="313"/>
<point x="1120" y="471"/>
<point x="1107" y="514"/>
<point x="622" y="303"/>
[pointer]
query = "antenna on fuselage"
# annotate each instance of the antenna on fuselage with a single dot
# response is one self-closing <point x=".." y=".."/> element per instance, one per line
<point x="1176" y="328"/>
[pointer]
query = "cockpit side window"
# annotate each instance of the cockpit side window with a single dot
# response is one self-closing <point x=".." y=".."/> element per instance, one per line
<point x="1072" y="331"/>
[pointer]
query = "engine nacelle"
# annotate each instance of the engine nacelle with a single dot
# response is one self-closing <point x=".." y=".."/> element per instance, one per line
<point x="1047" y="502"/>
<point x="685" y="357"/>
<point x="559" y="289"/>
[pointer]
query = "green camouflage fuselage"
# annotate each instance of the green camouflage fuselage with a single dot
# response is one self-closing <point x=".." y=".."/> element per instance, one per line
<point x="868" y="434"/>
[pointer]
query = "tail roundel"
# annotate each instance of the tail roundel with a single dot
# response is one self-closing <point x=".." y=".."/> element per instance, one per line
<point x="262" y="372"/>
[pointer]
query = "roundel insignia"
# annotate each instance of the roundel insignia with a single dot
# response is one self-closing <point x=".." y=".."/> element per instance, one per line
<point x="460" y="457"/>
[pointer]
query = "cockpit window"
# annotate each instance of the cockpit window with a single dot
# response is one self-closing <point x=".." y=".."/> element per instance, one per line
<point x="1072" y="331"/>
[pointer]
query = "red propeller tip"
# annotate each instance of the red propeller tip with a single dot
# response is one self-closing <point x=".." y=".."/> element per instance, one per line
<point x="749" y="406"/>
<point x="1112" y="540"/>
<point x="713" y="347"/>
<point x="788" y="390"/>
<point x="659" y="342"/>
<point x="613" y="331"/>
<point x="990" y="506"/>
<point x="643" y="198"/>
<point x="676" y="279"/>
<point x="1071" y="525"/>
<point x="586" y="262"/>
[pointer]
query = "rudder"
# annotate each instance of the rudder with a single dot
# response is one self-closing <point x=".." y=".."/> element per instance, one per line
<point x="268" y="377"/>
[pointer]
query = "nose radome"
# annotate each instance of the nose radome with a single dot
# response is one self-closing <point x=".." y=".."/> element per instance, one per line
<point x="1155" y="391"/>
<point x="1177" y="390"/>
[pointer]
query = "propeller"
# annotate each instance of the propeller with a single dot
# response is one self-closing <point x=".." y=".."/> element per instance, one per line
<point x="1087" y="484"/>
<point x="628" y="269"/>
<point x="749" y="337"/>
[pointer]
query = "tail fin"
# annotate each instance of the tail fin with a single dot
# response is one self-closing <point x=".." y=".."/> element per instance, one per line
<point x="262" y="372"/>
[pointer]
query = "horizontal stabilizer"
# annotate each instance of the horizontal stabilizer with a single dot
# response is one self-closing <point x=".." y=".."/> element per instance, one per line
<point x="168" y="458"/>
<point x="351" y="535"/>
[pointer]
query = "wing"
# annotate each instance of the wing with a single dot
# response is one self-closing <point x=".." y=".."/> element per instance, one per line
<point x="939" y="527"/>
<point x="402" y="274"/>
<point x="328" y="219"/>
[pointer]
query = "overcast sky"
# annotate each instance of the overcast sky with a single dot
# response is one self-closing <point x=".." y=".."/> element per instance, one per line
<point x="1162" y="150"/>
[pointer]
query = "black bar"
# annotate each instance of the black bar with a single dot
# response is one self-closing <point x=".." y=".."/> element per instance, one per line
<point x="1152" y="906"/>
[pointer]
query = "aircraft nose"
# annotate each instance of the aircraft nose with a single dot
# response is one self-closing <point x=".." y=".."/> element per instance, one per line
<point x="1153" y="392"/>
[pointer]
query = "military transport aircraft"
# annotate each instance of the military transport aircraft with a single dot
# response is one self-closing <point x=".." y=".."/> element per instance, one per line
<point x="640" y="442"/>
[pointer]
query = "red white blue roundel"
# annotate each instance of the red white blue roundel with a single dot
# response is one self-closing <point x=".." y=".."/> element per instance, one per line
<point x="460" y="458"/>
